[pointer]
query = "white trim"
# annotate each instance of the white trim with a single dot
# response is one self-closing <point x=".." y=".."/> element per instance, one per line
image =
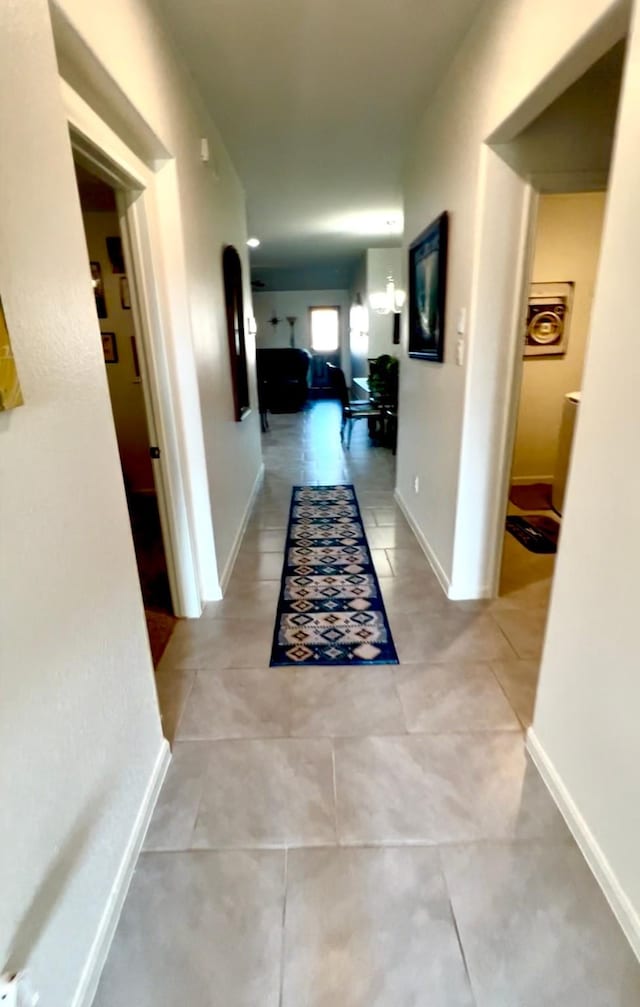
<point x="505" y="441"/>
<point x="424" y="544"/>
<point x="102" y="150"/>
<point x="623" y="910"/>
<point x="90" y="977"/>
<point x="237" y="542"/>
<point x="530" y="480"/>
<point x="85" y="123"/>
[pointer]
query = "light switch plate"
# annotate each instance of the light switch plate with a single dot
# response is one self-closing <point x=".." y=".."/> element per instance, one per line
<point x="462" y="322"/>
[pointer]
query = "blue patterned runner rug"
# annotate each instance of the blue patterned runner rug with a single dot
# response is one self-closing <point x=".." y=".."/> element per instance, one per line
<point x="330" y="609"/>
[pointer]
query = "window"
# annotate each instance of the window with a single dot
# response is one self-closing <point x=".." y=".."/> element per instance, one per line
<point x="325" y="329"/>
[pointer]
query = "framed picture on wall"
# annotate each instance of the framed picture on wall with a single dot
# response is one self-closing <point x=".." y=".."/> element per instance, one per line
<point x="114" y="251"/>
<point x="427" y="291"/>
<point x="98" y="289"/>
<point x="548" y="318"/>
<point x="125" y="296"/>
<point x="109" y="347"/>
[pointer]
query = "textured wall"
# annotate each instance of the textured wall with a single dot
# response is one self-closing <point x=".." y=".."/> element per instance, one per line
<point x="79" y="725"/>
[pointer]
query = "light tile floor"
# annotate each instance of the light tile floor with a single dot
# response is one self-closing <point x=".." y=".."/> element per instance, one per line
<point x="360" y="837"/>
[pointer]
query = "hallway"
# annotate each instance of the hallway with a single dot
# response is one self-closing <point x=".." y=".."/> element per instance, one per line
<point x="367" y="836"/>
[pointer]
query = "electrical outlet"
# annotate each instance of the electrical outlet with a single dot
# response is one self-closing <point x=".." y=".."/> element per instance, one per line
<point x="416" y="484"/>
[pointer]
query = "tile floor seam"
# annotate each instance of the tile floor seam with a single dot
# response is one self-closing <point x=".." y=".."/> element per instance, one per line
<point x="283" y="937"/>
<point x="176" y="728"/>
<point x="369" y="844"/>
<point x="335" y="791"/>
<point x="523" y="726"/>
<point x="463" y="954"/>
<point x="516" y="653"/>
<point x="386" y="735"/>
<point x="203" y="778"/>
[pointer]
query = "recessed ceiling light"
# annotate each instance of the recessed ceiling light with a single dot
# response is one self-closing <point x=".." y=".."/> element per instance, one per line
<point x="253" y="242"/>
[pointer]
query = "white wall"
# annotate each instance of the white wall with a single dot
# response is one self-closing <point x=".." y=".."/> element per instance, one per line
<point x="586" y="718"/>
<point x="125" y="389"/>
<point x="567" y="247"/>
<point x="79" y="726"/>
<point x="450" y="415"/>
<point x="586" y="724"/>
<point x="382" y="262"/>
<point x="80" y="736"/>
<point x="571" y="142"/>
<point x="132" y="47"/>
<point x="297" y="303"/>
<point x="358" y="343"/>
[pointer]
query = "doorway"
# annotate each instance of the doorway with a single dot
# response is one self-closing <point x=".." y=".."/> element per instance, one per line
<point x="567" y="241"/>
<point x="114" y="291"/>
<point x="324" y="330"/>
<point x="566" y="222"/>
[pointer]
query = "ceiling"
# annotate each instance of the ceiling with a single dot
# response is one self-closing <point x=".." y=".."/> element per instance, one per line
<point x="316" y="101"/>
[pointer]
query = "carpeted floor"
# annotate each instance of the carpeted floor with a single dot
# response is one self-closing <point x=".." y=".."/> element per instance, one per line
<point x="330" y="610"/>
<point x="531" y="496"/>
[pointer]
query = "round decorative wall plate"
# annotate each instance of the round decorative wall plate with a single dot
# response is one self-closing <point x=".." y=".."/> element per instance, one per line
<point x="545" y="327"/>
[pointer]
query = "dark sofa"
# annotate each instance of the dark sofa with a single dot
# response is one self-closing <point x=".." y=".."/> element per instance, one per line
<point x="282" y="378"/>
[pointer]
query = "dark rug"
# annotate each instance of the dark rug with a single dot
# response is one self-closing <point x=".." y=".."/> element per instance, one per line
<point x="330" y="609"/>
<point x="535" y="532"/>
<point x="532" y="496"/>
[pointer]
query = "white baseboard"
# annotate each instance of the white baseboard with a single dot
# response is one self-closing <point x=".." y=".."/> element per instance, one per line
<point x="433" y="560"/>
<point x="86" y="989"/>
<point x="452" y="591"/>
<point x="530" y="480"/>
<point x="623" y="910"/>
<point x="237" y="542"/>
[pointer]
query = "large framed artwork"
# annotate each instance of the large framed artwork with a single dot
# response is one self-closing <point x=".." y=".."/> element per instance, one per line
<point x="427" y="291"/>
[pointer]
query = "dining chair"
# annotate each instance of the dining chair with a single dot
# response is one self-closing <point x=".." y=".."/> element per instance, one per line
<point x="352" y="409"/>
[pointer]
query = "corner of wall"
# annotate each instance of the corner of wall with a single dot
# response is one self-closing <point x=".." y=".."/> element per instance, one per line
<point x="424" y="543"/>
<point x="591" y="850"/>
<point x="237" y="542"/>
<point x="88" y="984"/>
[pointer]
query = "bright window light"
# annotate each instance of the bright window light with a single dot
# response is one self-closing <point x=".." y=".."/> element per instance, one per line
<point x="325" y="329"/>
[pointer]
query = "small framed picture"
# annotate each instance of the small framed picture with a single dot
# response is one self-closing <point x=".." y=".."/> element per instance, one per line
<point x="125" y="296"/>
<point x="110" y="347"/>
<point x="98" y="289"/>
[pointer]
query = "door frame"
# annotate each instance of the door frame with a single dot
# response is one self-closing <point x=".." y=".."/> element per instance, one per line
<point x="97" y="147"/>
<point x="522" y="280"/>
